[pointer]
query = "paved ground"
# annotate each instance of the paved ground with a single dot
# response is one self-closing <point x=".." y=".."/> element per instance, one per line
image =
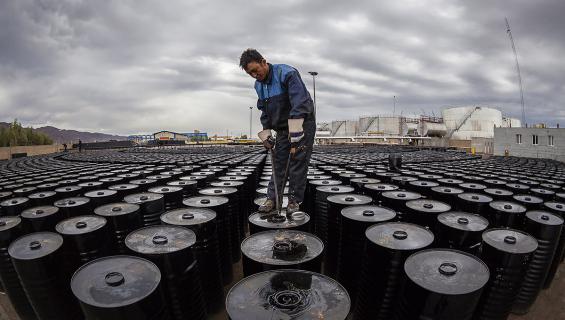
<point x="550" y="304"/>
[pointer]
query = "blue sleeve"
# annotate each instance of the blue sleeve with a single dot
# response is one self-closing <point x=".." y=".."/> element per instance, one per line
<point x="300" y="100"/>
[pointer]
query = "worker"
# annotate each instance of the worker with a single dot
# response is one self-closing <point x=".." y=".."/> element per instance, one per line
<point x="287" y="108"/>
<point x="79" y="145"/>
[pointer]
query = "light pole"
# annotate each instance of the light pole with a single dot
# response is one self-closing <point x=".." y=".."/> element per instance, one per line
<point x="394" y="105"/>
<point x="250" y="120"/>
<point x="314" y="74"/>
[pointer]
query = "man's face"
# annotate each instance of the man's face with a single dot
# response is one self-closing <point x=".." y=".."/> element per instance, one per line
<point x="258" y="70"/>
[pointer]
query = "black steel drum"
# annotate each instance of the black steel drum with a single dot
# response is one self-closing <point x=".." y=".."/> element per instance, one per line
<point x="119" y="288"/>
<point x="151" y="206"/>
<point x="122" y="218"/>
<point x="42" y="218"/>
<point x="441" y="284"/>
<point x="281" y="249"/>
<point x="287" y="294"/>
<point x="461" y="231"/>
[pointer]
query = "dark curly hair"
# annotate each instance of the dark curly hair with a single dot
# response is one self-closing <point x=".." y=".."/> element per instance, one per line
<point x="249" y="55"/>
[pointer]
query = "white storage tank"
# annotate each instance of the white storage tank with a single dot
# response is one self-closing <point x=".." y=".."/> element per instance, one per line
<point x="433" y="129"/>
<point x="344" y="128"/>
<point x="388" y="125"/>
<point x="464" y="123"/>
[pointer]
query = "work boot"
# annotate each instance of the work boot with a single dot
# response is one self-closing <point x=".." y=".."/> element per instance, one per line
<point x="267" y="206"/>
<point x="292" y="207"/>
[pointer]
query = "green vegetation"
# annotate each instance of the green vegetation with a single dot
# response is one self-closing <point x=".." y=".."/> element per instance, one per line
<point x="16" y="135"/>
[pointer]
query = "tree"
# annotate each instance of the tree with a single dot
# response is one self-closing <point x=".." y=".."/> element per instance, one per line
<point x="16" y="135"/>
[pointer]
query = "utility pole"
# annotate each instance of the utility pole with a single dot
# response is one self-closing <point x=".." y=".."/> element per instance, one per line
<point x="518" y="71"/>
<point x="393" y="105"/>
<point x="314" y="74"/>
<point x="250" y="121"/>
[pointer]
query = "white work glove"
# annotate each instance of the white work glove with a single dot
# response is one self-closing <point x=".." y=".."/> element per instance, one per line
<point x="266" y="138"/>
<point x="295" y="131"/>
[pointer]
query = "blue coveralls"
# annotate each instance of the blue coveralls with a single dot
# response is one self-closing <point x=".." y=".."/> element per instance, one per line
<point x="283" y="95"/>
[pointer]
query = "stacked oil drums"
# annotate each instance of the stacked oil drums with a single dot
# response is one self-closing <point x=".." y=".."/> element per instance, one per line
<point x="384" y="232"/>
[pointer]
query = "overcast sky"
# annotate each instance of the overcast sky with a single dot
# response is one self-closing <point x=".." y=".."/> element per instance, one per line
<point x="140" y="66"/>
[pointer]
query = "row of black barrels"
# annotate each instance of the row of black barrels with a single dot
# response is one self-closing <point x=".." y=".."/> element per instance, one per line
<point x="373" y="266"/>
<point x="194" y="243"/>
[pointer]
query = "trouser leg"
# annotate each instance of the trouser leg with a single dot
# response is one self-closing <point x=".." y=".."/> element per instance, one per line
<point x="298" y="169"/>
<point x="282" y="148"/>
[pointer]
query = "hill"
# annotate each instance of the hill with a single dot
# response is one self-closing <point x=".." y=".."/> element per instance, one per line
<point x="63" y="135"/>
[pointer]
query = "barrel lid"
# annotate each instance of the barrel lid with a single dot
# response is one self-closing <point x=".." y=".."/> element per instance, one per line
<point x="259" y="201"/>
<point x="495" y="182"/>
<point x="424" y="183"/>
<point x="350" y="199"/>
<point x="450" y="181"/>
<point x="282" y="247"/>
<point x="365" y="180"/>
<point x="555" y="206"/>
<point x="72" y="202"/>
<point x="318" y="177"/>
<point x="68" y="189"/>
<point x="39" y="212"/>
<point x="160" y="239"/>
<point x="205" y="201"/>
<point x="142" y="197"/>
<point x="368" y="213"/>
<point x="123" y="186"/>
<point x="526" y="198"/>
<point x="352" y="175"/>
<point x="325" y="182"/>
<point x="550" y="186"/>
<point x="232" y="178"/>
<point x="472" y="185"/>
<point x="446" y="271"/>
<point x="381" y="186"/>
<point x="517" y="186"/>
<point x="401" y="195"/>
<point x="80" y="224"/>
<point x="188" y="216"/>
<point x="542" y="191"/>
<point x="463" y="221"/>
<point x="115" y="281"/>
<point x="447" y="190"/>
<point x="227" y="183"/>
<point x="90" y="184"/>
<point x="24" y="189"/>
<point x="195" y="178"/>
<point x="5" y="194"/>
<point x="42" y="194"/>
<point x="143" y="181"/>
<point x="428" y="206"/>
<point x="335" y="189"/>
<point x="116" y="209"/>
<point x="35" y="245"/>
<point x="8" y="222"/>
<point x="165" y="189"/>
<point x="399" y="236"/>
<point x="510" y="240"/>
<point x="498" y="192"/>
<point x="14" y="201"/>
<point x="474" y="197"/>
<point x="182" y="183"/>
<point x="544" y="217"/>
<point x="288" y="294"/>
<point x="507" y="206"/>
<point x="217" y="191"/>
<point x="100" y="193"/>
<point x="275" y="221"/>
<point x="203" y="173"/>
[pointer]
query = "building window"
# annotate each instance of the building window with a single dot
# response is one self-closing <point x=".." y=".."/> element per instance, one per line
<point x="534" y="139"/>
<point x="550" y="141"/>
<point x="519" y="139"/>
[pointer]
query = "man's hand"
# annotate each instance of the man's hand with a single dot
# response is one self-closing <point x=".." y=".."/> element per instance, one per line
<point x="266" y="138"/>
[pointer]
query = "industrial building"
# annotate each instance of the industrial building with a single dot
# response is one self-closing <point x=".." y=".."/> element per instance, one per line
<point x="465" y="127"/>
<point x="547" y="143"/>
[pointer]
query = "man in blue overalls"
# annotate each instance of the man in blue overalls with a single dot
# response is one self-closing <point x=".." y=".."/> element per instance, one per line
<point x="288" y="109"/>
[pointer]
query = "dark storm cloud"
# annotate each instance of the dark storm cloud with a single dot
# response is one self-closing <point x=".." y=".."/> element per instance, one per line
<point x="141" y="66"/>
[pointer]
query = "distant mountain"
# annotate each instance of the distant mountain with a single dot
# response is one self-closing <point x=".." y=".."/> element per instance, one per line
<point x="63" y="135"/>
